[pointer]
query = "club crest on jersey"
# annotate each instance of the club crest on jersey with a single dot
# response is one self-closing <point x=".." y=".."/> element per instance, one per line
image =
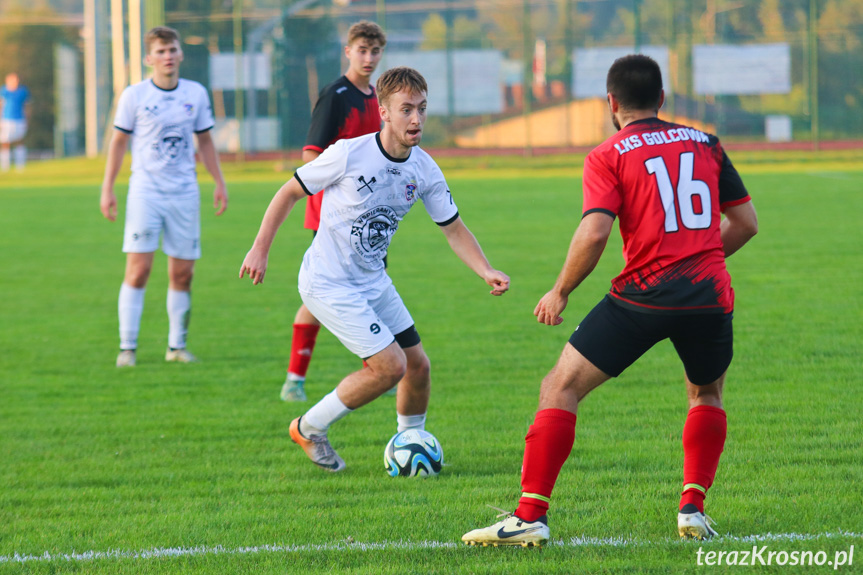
<point x="171" y="144"/>
<point x="189" y="108"/>
<point x="371" y="232"/>
<point x="410" y="192"/>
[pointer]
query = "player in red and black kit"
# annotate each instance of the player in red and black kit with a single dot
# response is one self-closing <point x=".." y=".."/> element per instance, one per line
<point x="668" y="185"/>
<point x="346" y="108"/>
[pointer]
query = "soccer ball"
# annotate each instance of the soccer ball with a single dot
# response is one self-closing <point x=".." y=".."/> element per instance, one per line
<point x="413" y="453"/>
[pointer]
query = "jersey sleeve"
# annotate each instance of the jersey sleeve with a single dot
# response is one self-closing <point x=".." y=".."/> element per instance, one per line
<point x="325" y="170"/>
<point x="601" y="187"/>
<point x="437" y="199"/>
<point x="732" y="192"/>
<point x="124" y="119"/>
<point x="205" y="120"/>
<point x="325" y="122"/>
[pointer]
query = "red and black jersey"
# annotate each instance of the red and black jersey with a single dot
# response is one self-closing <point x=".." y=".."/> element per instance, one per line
<point x="667" y="184"/>
<point x="341" y="112"/>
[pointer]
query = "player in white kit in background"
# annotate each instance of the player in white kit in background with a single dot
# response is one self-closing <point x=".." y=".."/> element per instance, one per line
<point x="370" y="182"/>
<point x="162" y="116"/>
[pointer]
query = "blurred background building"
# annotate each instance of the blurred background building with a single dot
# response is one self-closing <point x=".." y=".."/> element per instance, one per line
<point x="503" y="74"/>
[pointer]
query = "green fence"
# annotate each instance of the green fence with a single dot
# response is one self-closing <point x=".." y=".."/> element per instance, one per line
<point x="515" y="74"/>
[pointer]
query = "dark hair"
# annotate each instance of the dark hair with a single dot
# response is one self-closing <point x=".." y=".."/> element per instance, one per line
<point x="397" y="79"/>
<point x="161" y="33"/>
<point x="636" y="82"/>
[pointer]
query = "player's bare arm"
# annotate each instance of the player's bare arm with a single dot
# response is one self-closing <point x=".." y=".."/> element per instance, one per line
<point x="255" y="263"/>
<point x="586" y="247"/>
<point x="210" y="157"/>
<point x="738" y="227"/>
<point x="309" y="155"/>
<point x="116" y="151"/>
<point x="465" y="246"/>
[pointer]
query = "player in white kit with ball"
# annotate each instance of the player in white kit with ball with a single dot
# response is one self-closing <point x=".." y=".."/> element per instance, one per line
<point x="371" y="182"/>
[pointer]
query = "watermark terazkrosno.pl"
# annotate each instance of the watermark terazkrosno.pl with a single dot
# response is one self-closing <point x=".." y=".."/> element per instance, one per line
<point x="763" y="555"/>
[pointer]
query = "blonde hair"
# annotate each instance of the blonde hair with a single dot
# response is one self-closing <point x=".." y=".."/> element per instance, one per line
<point x="367" y="30"/>
<point x="162" y="33"/>
<point x="397" y="79"/>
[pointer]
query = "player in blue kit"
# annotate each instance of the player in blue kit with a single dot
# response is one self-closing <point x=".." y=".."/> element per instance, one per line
<point x="162" y="116"/>
<point x="14" y="114"/>
<point x="370" y="184"/>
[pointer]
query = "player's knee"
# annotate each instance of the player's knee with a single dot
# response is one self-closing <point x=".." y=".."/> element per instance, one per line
<point x="137" y="276"/>
<point x="182" y="283"/>
<point x="419" y="367"/>
<point x="390" y="365"/>
<point x="181" y="280"/>
<point x="397" y="371"/>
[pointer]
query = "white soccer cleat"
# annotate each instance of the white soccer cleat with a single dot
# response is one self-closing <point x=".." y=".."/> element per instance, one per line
<point x="181" y="355"/>
<point x="317" y="448"/>
<point x="695" y="526"/>
<point x="293" y="390"/>
<point x="510" y="531"/>
<point x="126" y="358"/>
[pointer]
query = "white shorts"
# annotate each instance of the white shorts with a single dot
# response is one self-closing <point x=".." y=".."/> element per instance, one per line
<point x="365" y="321"/>
<point x="149" y="216"/>
<point x="12" y="131"/>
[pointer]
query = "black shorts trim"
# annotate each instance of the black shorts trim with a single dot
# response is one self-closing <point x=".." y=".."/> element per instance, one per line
<point x="408" y="338"/>
<point x="613" y="337"/>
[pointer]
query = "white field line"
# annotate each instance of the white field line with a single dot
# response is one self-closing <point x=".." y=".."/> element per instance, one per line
<point x="160" y="553"/>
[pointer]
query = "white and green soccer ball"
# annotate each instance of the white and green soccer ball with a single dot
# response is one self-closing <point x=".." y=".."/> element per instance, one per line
<point x="413" y="453"/>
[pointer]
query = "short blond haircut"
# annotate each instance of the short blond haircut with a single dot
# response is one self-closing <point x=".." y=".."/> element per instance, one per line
<point x="367" y="30"/>
<point x="398" y="79"/>
<point x="161" y="33"/>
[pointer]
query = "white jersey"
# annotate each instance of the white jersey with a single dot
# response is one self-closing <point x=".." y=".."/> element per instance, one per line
<point x="367" y="194"/>
<point x="162" y="124"/>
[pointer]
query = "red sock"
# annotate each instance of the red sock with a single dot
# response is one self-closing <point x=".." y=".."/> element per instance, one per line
<point x="703" y="441"/>
<point x="547" y="446"/>
<point x="305" y="336"/>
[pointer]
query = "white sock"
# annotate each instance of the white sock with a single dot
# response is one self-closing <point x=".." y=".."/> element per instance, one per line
<point x="20" y="156"/>
<point x="130" y="306"/>
<point x="4" y="158"/>
<point x="179" y="310"/>
<point x="324" y="413"/>
<point x="410" y="421"/>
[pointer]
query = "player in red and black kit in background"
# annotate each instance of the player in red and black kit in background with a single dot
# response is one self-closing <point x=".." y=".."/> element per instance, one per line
<point x="347" y="108"/>
<point x="668" y="184"/>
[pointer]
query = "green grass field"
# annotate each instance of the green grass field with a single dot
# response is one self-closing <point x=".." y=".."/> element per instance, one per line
<point x="189" y="469"/>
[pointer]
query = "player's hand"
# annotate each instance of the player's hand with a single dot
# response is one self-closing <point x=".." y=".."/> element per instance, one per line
<point x="255" y="265"/>
<point x="550" y="307"/>
<point x="498" y="281"/>
<point x="220" y="198"/>
<point x="108" y="204"/>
